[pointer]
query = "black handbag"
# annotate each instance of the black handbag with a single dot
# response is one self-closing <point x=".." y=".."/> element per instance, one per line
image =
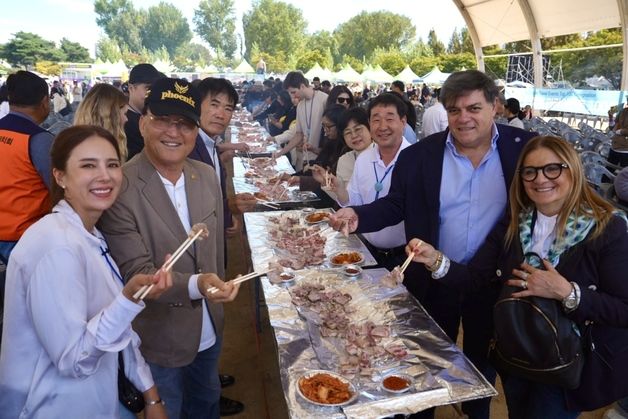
<point x="128" y="394"/>
<point x="535" y="340"/>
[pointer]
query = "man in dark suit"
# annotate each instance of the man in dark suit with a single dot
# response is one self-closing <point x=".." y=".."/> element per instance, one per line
<point x="218" y="101"/>
<point x="163" y="194"/>
<point x="450" y="189"/>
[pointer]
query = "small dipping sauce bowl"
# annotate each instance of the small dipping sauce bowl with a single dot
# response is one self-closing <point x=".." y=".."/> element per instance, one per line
<point x="397" y="383"/>
<point x="352" y="271"/>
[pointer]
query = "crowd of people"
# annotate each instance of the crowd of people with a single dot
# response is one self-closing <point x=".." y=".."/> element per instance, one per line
<point x="90" y="215"/>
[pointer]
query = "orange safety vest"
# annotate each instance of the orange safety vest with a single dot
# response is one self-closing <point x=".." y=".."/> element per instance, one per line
<point x="24" y="197"/>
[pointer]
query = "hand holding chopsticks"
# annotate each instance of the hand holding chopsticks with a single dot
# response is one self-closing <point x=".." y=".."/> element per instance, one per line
<point x="405" y="264"/>
<point x="239" y="280"/>
<point x="198" y="231"/>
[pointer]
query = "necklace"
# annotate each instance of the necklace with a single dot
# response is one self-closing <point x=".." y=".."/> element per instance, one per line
<point x="379" y="184"/>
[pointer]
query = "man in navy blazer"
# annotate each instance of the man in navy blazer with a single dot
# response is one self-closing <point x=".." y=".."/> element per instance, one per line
<point x="450" y="189"/>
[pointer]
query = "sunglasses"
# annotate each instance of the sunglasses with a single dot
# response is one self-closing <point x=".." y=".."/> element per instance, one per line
<point x="343" y="100"/>
<point x="550" y="171"/>
<point x="163" y="123"/>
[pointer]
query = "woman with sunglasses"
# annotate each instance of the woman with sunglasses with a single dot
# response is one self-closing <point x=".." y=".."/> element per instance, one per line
<point x="581" y="243"/>
<point x="340" y="95"/>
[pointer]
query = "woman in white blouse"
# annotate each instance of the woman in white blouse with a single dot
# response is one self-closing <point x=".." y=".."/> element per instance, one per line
<point x="67" y="312"/>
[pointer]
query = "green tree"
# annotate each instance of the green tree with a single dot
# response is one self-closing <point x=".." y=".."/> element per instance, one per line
<point x="165" y="25"/>
<point x="391" y="60"/>
<point x="457" y="62"/>
<point x="108" y="50"/>
<point x="277" y="63"/>
<point x="362" y="34"/>
<point x="496" y="66"/>
<point x="25" y="49"/>
<point x="276" y="27"/>
<point x="467" y="42"/>
<point x="121" y="22"/>
<point x="74" y="52"/>
<point x="324" y="41"/>
<point x="578" y="65"/>
<point x="455" y="43"/>
<point x="308" y="58"/>
<point x="48" y="68"/>
<point x="422" y="65"/>
<point x="352" y="61"/>
<point x="189" y="56"/>
<point x="215" y="24"/>
<point x="437" y="47"/>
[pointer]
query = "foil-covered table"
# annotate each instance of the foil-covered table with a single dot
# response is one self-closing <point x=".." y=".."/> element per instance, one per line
<point x="241" y="166"/>
<point x="293" y="198"/>
<point x="262" y="252"/>
<point x="257" y="139"/>
<point x="441" y="373"/>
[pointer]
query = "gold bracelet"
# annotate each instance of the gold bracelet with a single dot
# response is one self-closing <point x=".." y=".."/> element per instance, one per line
<point x="439" y="260"/>
<point x="154" y="402"/>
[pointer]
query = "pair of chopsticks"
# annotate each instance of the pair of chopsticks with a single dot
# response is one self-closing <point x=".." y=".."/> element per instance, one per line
<point x="314" y="233"/>
<point x="268" y="204"/>
<point x="144" y="290"/>
<point x="240" y="279"/>
<point x="410" y="256"/>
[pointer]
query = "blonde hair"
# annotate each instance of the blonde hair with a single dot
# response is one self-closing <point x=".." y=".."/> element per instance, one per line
<point x="101" y="107"/>
<point x="580" y="200"/>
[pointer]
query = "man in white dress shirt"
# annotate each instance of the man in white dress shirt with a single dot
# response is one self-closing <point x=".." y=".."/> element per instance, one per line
<point x="373" y="171"/>
<point x="434" y="117"/>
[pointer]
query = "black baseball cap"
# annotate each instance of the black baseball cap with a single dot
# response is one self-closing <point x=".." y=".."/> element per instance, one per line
<point x="145" y="73"/>
<point x="174" y="97"/>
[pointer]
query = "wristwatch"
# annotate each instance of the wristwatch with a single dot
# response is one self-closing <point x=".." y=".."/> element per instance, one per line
<point x="571" y="302"/>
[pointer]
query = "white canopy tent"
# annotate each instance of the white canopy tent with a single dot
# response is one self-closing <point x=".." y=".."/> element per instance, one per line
<point x="435" y="77"/>
<point x="408" y="76"/>
<point x="348" y="75"/>
<point x="244" y="68"/>
<point x="316" y="71"/>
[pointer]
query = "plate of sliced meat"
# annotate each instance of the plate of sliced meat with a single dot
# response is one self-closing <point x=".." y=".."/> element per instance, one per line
<point x="325" y="388"/>
<point x="346" y="257"/>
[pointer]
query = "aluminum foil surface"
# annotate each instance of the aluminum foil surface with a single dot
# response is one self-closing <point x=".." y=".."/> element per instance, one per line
<point x="294" y="196"/>
<point x="256" y="137"/>
<point x="262" y="252"/>
<point x="441" y="373"/>
<point x="241" y="166"/>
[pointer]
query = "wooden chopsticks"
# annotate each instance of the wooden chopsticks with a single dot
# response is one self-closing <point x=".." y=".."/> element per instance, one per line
<point x="240" y="279"/>
<point x="200" y="229"/>
<point x="409" y="258"/>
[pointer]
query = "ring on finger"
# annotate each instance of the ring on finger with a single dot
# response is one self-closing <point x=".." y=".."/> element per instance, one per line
<point x="524" y="284"/>
<point x="524" y="275"/>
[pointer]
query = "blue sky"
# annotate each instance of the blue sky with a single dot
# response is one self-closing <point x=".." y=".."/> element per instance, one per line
<point x="76" y="20"/>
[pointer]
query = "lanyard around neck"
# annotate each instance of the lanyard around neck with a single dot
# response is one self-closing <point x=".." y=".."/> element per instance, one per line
<point x="104" y="252"/>
<point x="308" y="119"/>
<point x="379" y="184"/>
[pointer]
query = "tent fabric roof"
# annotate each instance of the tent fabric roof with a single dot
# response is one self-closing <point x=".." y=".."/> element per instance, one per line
<point x="244" y="67"/>
<point x="501" y="21"/>
<point x="408" y="76"/>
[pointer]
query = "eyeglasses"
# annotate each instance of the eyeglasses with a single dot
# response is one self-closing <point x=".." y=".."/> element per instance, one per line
<point x="355" y="131"/>
<point x="162" y="123"/>
<point x="550" y="171"/>
<point x="328" y="127"/>
<point x="343" y="100"/>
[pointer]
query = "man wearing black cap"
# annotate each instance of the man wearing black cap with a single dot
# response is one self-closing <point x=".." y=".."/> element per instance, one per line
<point x="140" y="79"/>
<point x="163" y="195"/>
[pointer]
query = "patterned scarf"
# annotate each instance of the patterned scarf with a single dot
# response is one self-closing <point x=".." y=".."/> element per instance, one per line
<point x="576" y="230"/>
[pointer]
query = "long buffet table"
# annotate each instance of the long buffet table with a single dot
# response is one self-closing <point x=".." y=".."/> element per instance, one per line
<point x="440" y="373"/>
